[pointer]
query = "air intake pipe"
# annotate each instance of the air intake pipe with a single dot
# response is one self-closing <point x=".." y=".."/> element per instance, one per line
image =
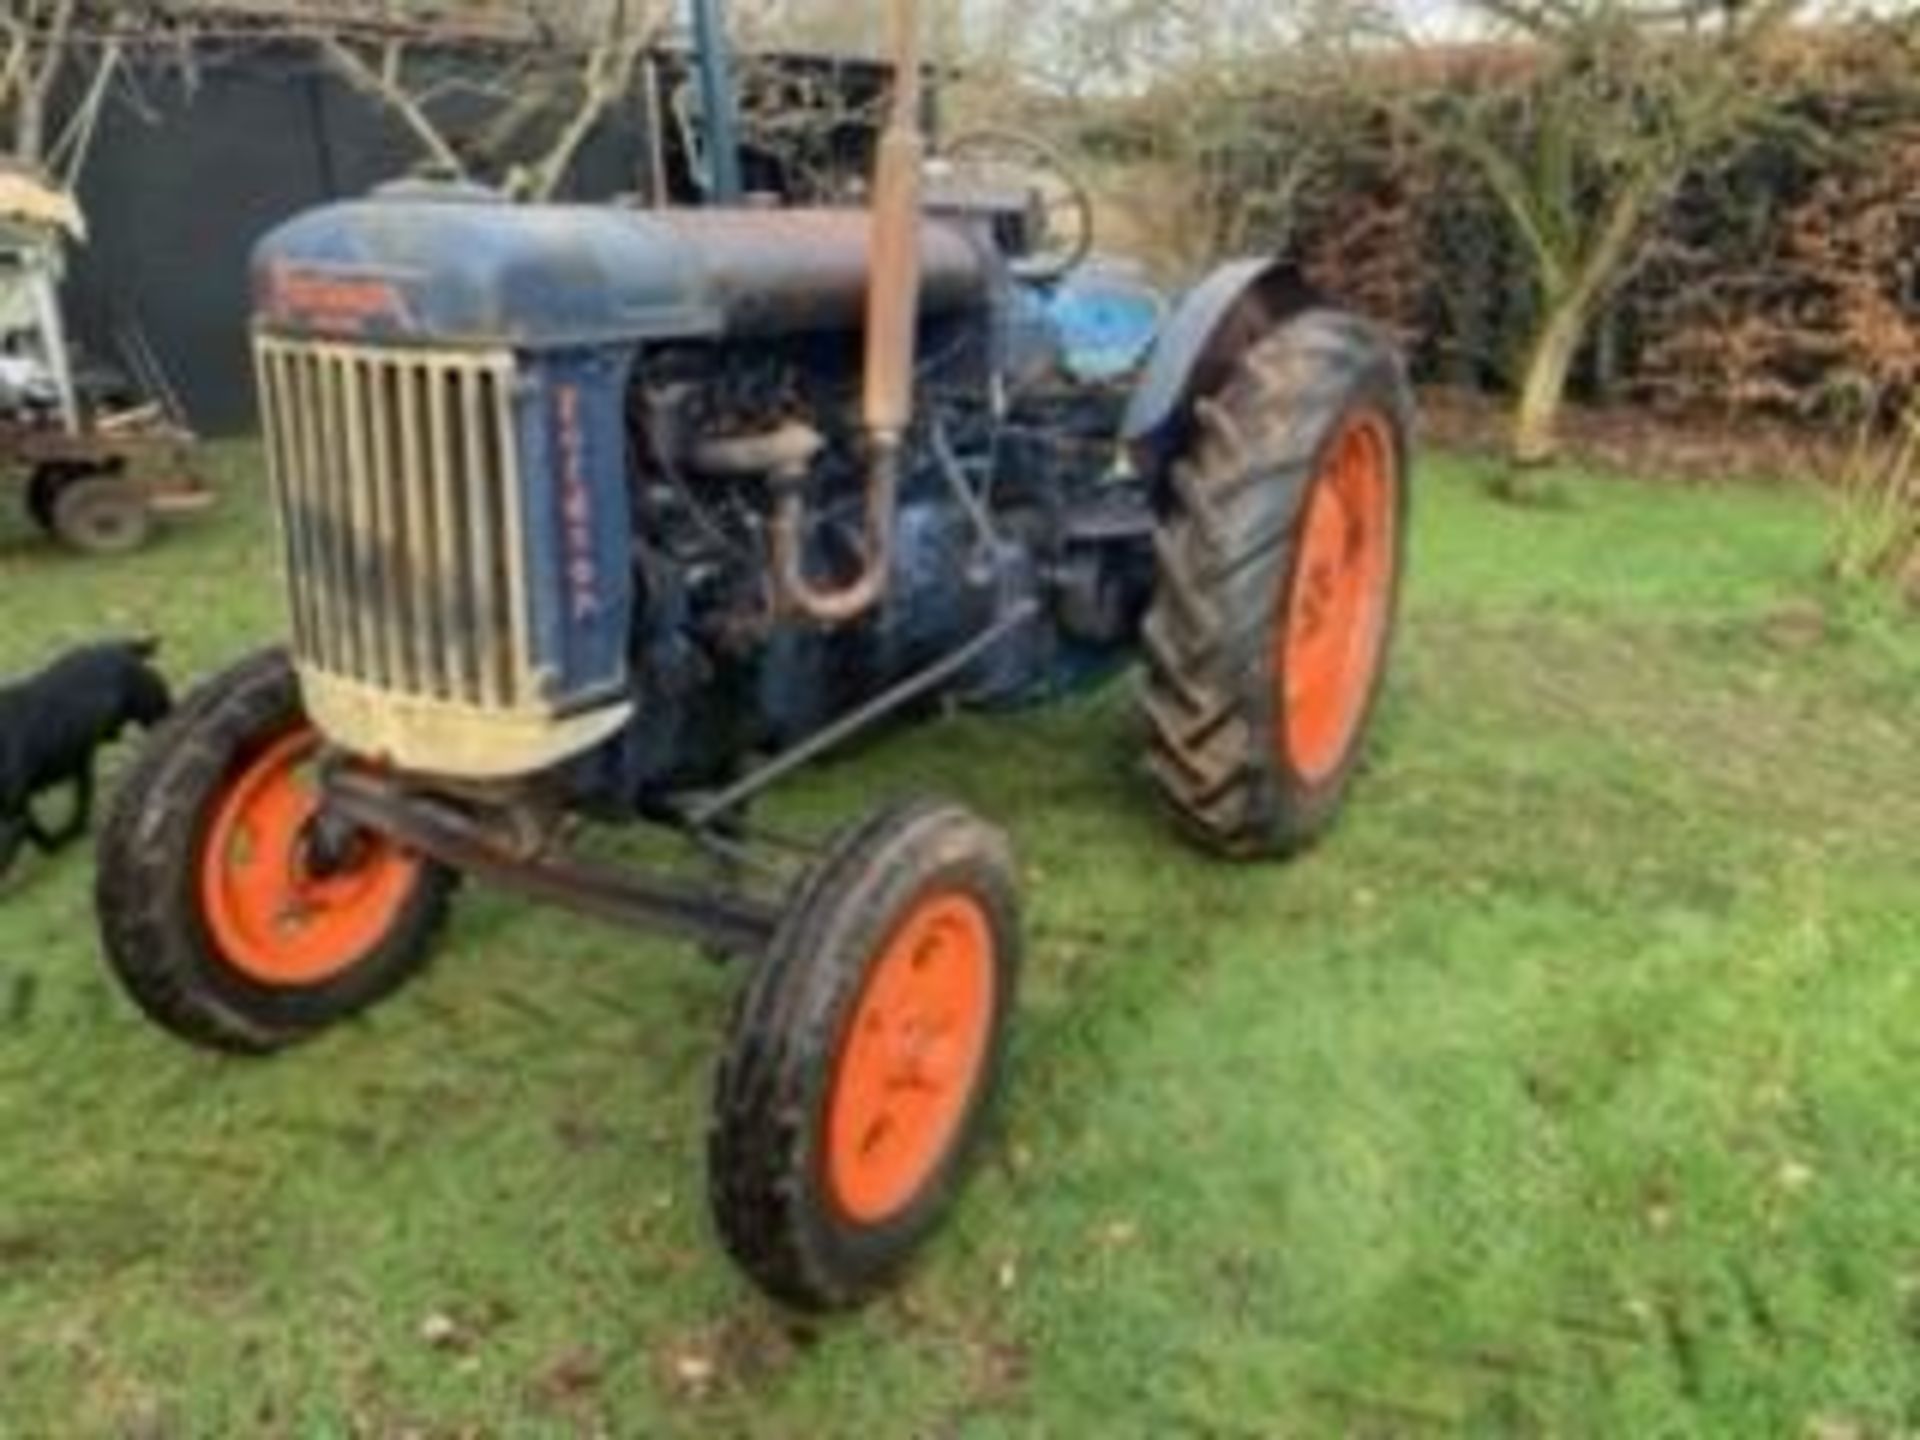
<point x="893" y="315"/>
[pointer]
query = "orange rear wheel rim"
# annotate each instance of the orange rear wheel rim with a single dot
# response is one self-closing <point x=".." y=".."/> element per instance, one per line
<point x="271" y="916"/>
<point x="1332" y="626"/>
<point x="912" y="1059"/>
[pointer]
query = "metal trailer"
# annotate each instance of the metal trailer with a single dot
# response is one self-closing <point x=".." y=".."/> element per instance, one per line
<point x="95" y="467"/>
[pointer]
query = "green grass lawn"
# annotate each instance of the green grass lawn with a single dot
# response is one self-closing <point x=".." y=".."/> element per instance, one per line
<point x="1569" y="1090"/>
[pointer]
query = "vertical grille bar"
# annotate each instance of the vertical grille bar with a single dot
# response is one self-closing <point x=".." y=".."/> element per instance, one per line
<point x="362" y="597"/>
<point x="281" y="415"/>
<point x="387" y="541"/>
<point x="519" y="602"/>
<point x="482" y="530"/>
<point x="287" y="421"/>
<point x="455" y="611"/>
<point x="417" y="504"/>
<point x="340" y="644"/>
<point x="280" y="473"/>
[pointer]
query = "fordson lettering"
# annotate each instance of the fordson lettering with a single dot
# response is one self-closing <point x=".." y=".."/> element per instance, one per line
<point x="576" y="507"/>
<point x="335" y="303"/>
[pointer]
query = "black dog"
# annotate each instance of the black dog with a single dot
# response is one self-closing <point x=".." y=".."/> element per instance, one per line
<point x="51" y="727"/>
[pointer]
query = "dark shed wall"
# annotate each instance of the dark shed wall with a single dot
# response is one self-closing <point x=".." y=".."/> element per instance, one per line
<point x="176" y="200"/>
<point x="173" y="208"/>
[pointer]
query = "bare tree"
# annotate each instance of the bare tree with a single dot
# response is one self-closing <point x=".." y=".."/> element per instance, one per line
<point x="628" y="30"/>
<point x="839" y="27"/>
<point x="59" y="64"/>
<point x="571" y="65"/>
<point x="1096" y="47"/>
<point x="380" y="71"/>
<point x="1582" y="134"/>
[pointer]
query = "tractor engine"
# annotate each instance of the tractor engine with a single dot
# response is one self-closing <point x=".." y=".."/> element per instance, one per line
<point x="537" y="468"/>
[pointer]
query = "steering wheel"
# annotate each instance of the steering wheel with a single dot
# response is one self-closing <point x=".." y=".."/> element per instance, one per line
<point x="1011" y="160"/>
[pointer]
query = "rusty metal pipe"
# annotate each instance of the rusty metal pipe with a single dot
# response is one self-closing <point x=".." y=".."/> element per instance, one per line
<point x="893" y="319"/>
<point x="838" y="606"/>
<point x="893" y="309"/>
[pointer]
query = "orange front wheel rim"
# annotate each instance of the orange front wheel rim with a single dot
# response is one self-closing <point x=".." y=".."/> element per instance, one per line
<point x="912" y="1059"/>
<point x="276" y="916"/>
<point x="1332" y="628"/>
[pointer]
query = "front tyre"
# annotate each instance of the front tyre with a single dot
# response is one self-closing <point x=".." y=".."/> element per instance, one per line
<point x="231" y="913"/>
<point x="864" y="1056"/>
<point x="1280" y="554"/>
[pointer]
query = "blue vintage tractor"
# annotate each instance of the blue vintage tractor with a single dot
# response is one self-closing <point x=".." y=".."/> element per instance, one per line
<point x="609" y="514"/>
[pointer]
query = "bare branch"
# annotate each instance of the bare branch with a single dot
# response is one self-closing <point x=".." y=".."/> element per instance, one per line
<point x="69" y="154"/>
<point x="13" y="72"/>
<point x="384" y="84"/>
<point x="608" y="75"/>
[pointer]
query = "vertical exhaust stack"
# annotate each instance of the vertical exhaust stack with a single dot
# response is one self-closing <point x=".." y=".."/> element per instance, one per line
<point x="893" y="321"/>
<point x="893" y="310"/>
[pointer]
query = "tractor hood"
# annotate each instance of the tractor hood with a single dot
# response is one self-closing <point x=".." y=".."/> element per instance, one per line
<point x="458" y="266"/>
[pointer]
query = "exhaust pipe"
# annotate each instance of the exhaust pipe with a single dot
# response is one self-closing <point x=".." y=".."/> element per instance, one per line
<point x="893" y="319"/>
<point x="893" y="309"/>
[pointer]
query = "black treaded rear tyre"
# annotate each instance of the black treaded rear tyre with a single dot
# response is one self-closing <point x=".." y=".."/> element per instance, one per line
<point x="1280" y="554"/>
<point x="169" y="886"/>
<point x="844" y="1117"/>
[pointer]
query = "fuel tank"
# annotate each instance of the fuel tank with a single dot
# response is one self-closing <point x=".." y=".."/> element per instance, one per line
<point x="458" y="266"/>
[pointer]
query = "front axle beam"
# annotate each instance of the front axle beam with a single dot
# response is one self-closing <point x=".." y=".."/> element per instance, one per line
<point x="441" y="831"/>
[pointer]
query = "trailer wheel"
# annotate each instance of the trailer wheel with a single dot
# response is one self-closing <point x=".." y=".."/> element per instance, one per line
<point x="1280" y="553"/>
<point x="101" y="515"/>
<point x="864" y="1056"/>
<point x="228" y="910"/>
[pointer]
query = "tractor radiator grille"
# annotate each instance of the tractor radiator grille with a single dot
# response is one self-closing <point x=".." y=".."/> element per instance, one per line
<point x="397" y="479"/>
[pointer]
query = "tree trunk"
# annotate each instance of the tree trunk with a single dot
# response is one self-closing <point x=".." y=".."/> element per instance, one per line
<point x="30" y="125"/>
<point x="1544" y="389"/>
<point x="1569" y="311"/>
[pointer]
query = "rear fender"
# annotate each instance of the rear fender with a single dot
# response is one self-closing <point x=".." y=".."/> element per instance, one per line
<point x="1227" y="314"/>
